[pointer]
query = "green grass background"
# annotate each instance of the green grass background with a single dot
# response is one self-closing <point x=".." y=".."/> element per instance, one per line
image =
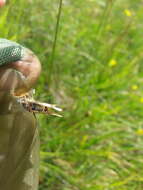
<point x="97" y="78"/>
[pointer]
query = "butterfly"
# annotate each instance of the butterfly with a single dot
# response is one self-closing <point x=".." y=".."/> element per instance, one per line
<point x="31" y="105"/>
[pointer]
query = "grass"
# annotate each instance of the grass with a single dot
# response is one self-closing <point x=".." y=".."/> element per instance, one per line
<point x="97" y="79"/>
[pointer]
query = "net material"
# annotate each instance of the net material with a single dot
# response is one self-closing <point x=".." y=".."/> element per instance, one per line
<point x="10" y="51"/>
<point x="10" y="54"/>
<point x="19" y="146"/>
<point x="19" y="136"/>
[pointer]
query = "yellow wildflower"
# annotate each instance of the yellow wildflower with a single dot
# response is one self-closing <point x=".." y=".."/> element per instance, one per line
<point x="141" y="100"/>
<point x="139" y="132"/>
<point x="128" y="12"/>
<point x="112" y="63"/>
<point x="134" y="87"/>
<point x="108" y="27"/>
<point x="105" y="106"/>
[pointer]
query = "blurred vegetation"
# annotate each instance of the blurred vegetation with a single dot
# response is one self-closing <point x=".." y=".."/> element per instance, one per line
<point x="97" y="77"/>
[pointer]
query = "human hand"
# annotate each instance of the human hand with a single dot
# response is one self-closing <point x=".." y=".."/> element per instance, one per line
<point x="19" y="68"/>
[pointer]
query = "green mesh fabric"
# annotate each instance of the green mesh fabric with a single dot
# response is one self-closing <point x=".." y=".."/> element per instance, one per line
<point x="9" y="51"/>
<point x="10" y="54"/>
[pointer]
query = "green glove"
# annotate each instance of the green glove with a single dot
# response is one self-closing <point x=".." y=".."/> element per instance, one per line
<point x="10" y="51"/>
